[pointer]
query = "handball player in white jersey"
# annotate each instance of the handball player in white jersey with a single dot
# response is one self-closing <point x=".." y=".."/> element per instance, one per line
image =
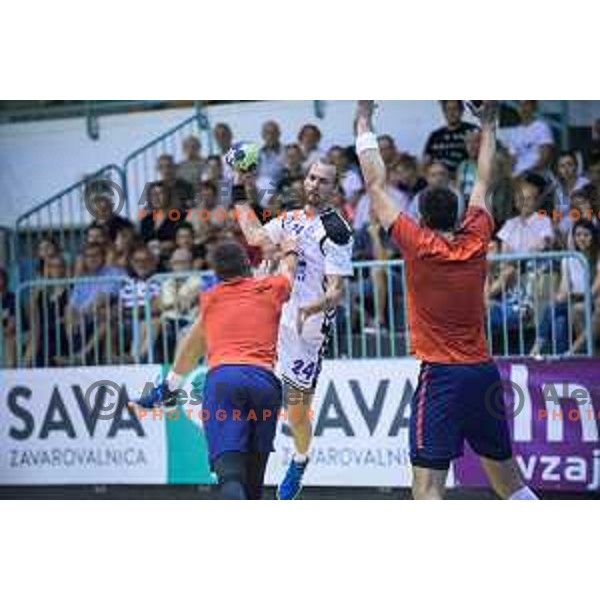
<point x="324" y="241"/>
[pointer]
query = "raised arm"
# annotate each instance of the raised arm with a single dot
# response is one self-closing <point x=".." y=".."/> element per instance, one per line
<point x="372" y="166"/>
<point x="488" y="114"/>
<point x="250" y="225"/>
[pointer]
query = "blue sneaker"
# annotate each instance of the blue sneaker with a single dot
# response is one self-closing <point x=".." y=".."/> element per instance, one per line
<point x="158" y="397"/>
<point x="290" y="487"/>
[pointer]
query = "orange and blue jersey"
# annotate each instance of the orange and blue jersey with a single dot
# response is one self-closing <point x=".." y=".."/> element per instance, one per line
<point x="241" y="320"/>
<point x="445" y="281"/>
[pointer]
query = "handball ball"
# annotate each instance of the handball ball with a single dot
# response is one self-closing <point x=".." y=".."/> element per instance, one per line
<point x="242" y="156"/>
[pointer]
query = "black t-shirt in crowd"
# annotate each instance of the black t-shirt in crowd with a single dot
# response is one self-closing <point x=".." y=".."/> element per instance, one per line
<point x="448" y="146"/>
<point x="7" y="307"/>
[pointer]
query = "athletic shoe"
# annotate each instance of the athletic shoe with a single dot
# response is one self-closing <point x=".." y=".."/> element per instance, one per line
<point x="290" y="487"/>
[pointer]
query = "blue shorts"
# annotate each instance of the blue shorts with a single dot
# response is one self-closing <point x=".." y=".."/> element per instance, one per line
<point x="454" y="403"/>
<point x="240" y="404"/>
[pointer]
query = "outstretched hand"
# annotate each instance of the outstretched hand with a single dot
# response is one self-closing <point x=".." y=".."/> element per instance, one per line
<point x="485" y="110"/>
<point x="364" y="116"/>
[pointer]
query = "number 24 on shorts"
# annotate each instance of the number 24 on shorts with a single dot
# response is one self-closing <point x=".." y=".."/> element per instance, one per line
<point x="301" y="371"/>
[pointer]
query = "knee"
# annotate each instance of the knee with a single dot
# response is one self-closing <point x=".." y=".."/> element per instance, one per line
<point x="426" y="490"/>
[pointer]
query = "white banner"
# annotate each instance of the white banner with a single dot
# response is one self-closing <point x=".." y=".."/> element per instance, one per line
<point x="360" y="426"/>
<point x="55" y="428"/>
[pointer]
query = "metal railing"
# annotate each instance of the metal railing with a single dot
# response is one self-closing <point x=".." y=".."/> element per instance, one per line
<point x="63" y="218"/>
<point x="77" y="321"/>
<point x="139" y="167"/>
<point x="535" y="308"/>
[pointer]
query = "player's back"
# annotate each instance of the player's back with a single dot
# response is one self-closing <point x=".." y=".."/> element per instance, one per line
<point x="445" y="281"/>
<point x="241" y="320"/>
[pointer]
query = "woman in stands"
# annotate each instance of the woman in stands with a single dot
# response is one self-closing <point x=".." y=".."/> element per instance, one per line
<point x="566" y="314"/>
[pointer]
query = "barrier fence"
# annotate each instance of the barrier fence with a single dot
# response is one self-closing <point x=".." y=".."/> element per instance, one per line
<point x="532" y="307"/>
<point x="63" y="218"/>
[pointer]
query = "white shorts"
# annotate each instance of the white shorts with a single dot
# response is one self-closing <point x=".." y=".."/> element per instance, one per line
<point x="299" y="358"/>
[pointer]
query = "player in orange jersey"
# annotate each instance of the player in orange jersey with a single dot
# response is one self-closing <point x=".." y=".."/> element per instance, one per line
<point x="445" y="259"/>
<point x="237" y="332"/>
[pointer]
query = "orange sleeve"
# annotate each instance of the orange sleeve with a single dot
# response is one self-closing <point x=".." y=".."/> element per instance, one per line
<point x="282" y="288"/>
<point x="480" y="224"/>
<point x="406" y="234"/>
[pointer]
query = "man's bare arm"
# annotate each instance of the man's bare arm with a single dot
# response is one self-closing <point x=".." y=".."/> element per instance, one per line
<point x="487" y="152"/>
<point x="250" y="225"/>
<point x="372" y="166"/>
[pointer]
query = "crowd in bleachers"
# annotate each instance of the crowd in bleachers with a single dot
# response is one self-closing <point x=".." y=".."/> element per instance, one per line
<point x="103" y="317"/>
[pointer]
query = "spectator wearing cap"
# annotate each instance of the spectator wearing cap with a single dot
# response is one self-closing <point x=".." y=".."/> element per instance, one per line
<point x="448" y="143"/>
<point x="531" y="142"/>
<point x="190" y="169"/>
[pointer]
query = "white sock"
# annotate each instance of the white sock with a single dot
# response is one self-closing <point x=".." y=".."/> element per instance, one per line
<point x="300" y="458"/>
<point x="524" y="493"/>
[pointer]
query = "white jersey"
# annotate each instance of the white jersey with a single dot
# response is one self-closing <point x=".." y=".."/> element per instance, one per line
<point x="324" y="248"/>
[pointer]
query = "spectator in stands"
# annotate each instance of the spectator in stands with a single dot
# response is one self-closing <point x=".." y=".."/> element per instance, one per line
<point x="120" y="255"/>
<point x="179" y="193"/>
<point x="157" y="224"/>
<point x="594" y="177"/>
<point x="554" y="334"/>
<point x="223" y="137"/>
<point x="407" y="174"/>
<point x="466" y="173"/>
<point x="531" y="143"/>
<point x="437" y="176"/>
<point x="210" y="212"/>
<point x="348" y="179"/>
<point x="294" y="169"/>
<point x="448" y="144"/>
<point x="94" y="234"/>
<point x="339" y="202"/>
<point x="178" y="300"/>
<point x="7" y="323"/>
<point x="185" y="240"/>
<point x="105" y="216"/>
<point x="271" y="158"/>
<point x="49" y="343"/>
<point x="568" y="178"/>
<point x="191" y="168"/>
<point x="388" y="150"/>
<point x="594" y="153"/>
<point x="89" y="301"/>
<point x="47" y="248"/>
<point x="520" y="290"/>
<point x="530" y="231"/>
<point x="132" y="299"/>
<point x="97" y="234"/>
<point x="309" y="139"/>
<point x="581" y="208"/>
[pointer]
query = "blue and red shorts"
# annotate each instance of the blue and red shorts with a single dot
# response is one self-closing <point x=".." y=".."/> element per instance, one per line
<point x="452" y="404"/>
<point x="240" y="404"/>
